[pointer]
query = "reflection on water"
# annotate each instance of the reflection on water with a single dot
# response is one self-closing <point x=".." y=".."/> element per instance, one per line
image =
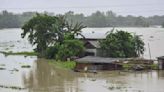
<point x="11" y="76"/>
<point x="44" y="77"/>
<point x="10" y="40"/>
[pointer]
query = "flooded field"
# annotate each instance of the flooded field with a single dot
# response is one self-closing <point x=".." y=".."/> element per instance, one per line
<point x="44" y="77"/>
<point x="29" y="74"/>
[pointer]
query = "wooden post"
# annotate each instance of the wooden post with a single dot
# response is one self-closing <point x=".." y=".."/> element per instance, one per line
<point x="149" y="51"/>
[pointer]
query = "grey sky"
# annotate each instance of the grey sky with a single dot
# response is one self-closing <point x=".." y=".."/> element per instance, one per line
<point x="122" y="7"/>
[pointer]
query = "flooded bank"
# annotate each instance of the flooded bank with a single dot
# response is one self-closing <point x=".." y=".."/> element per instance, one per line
<point x="30" y="74"/>
<point x="44" y="77"/>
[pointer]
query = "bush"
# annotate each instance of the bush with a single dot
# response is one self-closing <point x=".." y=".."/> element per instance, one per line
<point x="121" y="44"/>
<point x="69" y="48"/>
<point x="51" y="52"/>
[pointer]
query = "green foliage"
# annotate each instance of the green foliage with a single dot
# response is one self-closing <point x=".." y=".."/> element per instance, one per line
<point x="42" y="30"/>
<point x="63" y="64"/>
<point x="127" y="66"/>
<point x="121" y="44"/>
<point x="53" y="36"/>
<point x="139" y="45"/>
<point x="110" y="19"/>
<point x="65" y="50"/>
<point x="51" y="52"/>
<point x="69" y="48"/>
<point x="8" y="20"/>
<point x="20" y="53"/>
<point x="154" y="66"/>
<point x="96" y="19"/>
<point x="141" y="22"/>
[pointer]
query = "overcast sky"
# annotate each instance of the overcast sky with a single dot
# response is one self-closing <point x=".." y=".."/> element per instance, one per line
<point x="121" y="7"/>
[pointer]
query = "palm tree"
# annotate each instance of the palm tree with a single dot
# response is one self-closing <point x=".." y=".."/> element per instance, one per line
<point x="139" y="45"/>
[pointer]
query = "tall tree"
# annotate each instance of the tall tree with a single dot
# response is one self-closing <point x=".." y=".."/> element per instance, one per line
<point x="40" y="29"/>
<point x="51" y="33"/>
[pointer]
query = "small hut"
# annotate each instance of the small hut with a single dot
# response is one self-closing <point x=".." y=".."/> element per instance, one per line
<point x="90" y="63"/>
<point x="161" y="62"/>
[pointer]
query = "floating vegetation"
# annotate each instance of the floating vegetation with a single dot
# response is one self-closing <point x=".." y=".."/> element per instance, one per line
<point x="14" y="69"/>
<point x="25" y="66"/>
<point x="19" y="53"/>
<point x="1" y="68"/>
<point x="111" y="88"/>
<point x="12" y="87"/>
<point x="2" y="64"/>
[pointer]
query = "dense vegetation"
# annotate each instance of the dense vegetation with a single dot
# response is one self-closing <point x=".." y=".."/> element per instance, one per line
<point x="10" y="20"/>
<point x="121" y="44"/>
<point x="53" y="36"/>
<point x="97" y="19"/>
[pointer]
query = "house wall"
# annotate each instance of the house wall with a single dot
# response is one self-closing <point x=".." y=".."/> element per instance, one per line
<point x="97" y="66"/>
<point x="161" y="64"/>
<point x="91" y="46"/>
<point x="82" y="66"/>
<point x="91" y="51"/>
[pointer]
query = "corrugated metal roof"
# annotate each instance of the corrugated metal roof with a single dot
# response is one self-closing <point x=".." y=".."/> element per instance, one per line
<point x="94" y="33"/>
<point x="92" y="59"/>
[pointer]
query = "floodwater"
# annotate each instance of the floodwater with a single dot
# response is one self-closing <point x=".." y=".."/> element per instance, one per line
<point x="44" y="77"/>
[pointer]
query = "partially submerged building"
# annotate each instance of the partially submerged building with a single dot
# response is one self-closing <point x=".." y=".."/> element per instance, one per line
<point x="91" y="40"/>
<point x="90" y="63"/>
<point x="161" y="62"/>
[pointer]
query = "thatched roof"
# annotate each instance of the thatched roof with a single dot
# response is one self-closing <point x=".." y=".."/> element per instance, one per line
<point x="92" y="59"/>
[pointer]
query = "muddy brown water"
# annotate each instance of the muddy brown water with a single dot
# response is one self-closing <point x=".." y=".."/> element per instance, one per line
<point x="44" y="77"/>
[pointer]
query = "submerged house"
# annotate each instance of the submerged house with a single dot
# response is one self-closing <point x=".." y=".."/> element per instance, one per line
<point x="90" y="63"/>
<point x="161" y="62"/>
<point x="91" y="41"/>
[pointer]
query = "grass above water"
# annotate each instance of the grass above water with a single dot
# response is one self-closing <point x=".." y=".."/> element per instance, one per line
<point x="20" y="53"/>
<point x="148" y="66"/>
<point x="63" y="64"/>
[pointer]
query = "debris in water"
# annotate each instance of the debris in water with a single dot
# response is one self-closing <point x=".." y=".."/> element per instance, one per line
<point x="25" y="66"/>
<point x="12" y="87"/>
<point x="14" y="69"/>
<point x="151" y="36"/>
<point x="12" y="45"/>
<point x="1" y="68"/>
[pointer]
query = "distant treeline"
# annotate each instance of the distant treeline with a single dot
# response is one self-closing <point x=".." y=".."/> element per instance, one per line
<point x="97" y="19"/>
<point x="10" y="20"/>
